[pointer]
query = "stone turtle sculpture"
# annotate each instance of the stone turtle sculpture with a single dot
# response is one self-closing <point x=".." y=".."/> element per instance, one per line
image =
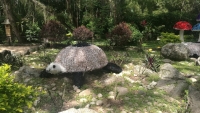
<point x="77" y="59"/>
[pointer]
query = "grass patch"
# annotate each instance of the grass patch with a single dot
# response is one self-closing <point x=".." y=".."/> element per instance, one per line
<point x="138" y="98"/>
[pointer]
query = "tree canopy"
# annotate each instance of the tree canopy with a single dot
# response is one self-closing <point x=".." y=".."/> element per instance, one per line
<point x="97" y="15"/>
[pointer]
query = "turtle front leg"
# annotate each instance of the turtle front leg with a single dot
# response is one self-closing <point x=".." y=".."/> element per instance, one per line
<point x="78" y="79"/>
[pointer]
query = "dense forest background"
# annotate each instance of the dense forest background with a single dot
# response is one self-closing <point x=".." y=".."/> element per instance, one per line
<point x="28" y="16"/>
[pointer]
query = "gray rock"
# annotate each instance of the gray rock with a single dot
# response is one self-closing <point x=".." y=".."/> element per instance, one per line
<point x="142" y="70"/>
<point x="54" y="88"/>
<point x="99" y="102"/>
<point x="86" y="92"/>
<point x="121" y="90"/>
<point x="172" y="81"/>
<point x="194" y="48"/>
<point x="167" y="71"/>
<point x="167" y="61"/>
<point x="179" y="89"/>
<point x="194" y="100"/>
<point x="112" y="80"/>
<point x="175" y="51"/>
<point x="166" y="85"/>
<point x="27" y="80"/>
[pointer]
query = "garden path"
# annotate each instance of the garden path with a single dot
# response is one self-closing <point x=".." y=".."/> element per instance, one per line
<point x="20" y="50"/>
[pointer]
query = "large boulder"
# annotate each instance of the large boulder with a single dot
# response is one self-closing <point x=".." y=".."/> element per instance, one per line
<point x="172" y="81"/>
<point x="167" y="71"/>
<point x="175" y="51"/>
<point x="194" y="99"/>
<point x="194" y="48"/>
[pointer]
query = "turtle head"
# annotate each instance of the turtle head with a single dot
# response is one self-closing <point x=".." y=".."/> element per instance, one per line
<point x="55" y="68"/>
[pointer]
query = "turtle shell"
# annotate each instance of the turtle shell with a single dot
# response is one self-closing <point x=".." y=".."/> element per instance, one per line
<point x="81" y="59"/>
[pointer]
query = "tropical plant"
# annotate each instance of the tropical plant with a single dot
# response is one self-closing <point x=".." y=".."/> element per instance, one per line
<point x="32" y="33"/>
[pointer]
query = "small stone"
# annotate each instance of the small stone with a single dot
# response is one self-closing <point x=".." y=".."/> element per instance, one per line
<point x="87" y="106"/>
<point x="137" y="111"/>
<point x="121" y="90"/>
<point x="60" y="93"/>
<point x="54" y="88"/>
<point x="85" y="92"/>
<point x="123" y="111"/>
<point x="94" y="99"/>
<point x="26" y="80"/>
<point x="83" y="100"/>
<point x="92" y="103"/>
<point x="78" y="90"/>
<point x="99" y="95"/>
<point x="111" y="97"/>
<point x="66" y="79"/>
<point x="99" y="102"/>
<point x="193" y="79"/>
<point x="149" y="103"/>
<point x="75" y="87"/>
<point x="53" y="84"/>
<point x="127" y="98"/>
<point x="36" y="101"/>
<point x="46" y="86"/>
<point x="111" y="93"/>
<point x="159" y="112"/>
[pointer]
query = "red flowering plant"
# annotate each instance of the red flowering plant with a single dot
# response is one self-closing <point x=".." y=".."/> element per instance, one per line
<point x="82" y="33"/>
<point x="120" y="34"/>
<point x="143" y="23"/>
<point x="151" y="62"/>
<point x="53" y="29"/>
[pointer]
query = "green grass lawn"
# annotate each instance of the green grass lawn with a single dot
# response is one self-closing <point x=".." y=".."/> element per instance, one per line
<point x="138" y="98"/>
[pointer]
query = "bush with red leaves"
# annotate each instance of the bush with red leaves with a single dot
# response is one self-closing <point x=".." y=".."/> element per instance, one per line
<point x="53" y="29"/>
<point x="82" y="33"/>
<point x="120" y="35"/>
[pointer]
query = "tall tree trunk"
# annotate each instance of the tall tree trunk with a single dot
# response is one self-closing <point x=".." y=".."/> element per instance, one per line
<point x="9" y="15"/>
<point x="39" y="4"/>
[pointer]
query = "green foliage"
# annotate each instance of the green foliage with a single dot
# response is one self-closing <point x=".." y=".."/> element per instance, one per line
<point x="136" y="34"/>
<point x="169" y="38"/>
<point x="14" y="97"/>
<point x="150" y="31"/>
<point x="190" y="38"/>
<point x="32" y="33"/>
<point x="153" y="77"/>
<point x="82" y="33"/>
<point x="120" y="35"/>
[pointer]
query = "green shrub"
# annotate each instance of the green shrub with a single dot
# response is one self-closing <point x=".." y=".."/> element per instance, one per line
<point x="14" y="97"/>
<point x="169" y="38"/>
<point x="189" y="38"/>
<point x="136" y="34"/>
<point x="120" y="35"/>
<point x="32" y="33"/>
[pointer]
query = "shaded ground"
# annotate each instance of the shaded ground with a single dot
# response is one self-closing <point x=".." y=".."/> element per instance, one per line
<point x="20" y="50"/>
